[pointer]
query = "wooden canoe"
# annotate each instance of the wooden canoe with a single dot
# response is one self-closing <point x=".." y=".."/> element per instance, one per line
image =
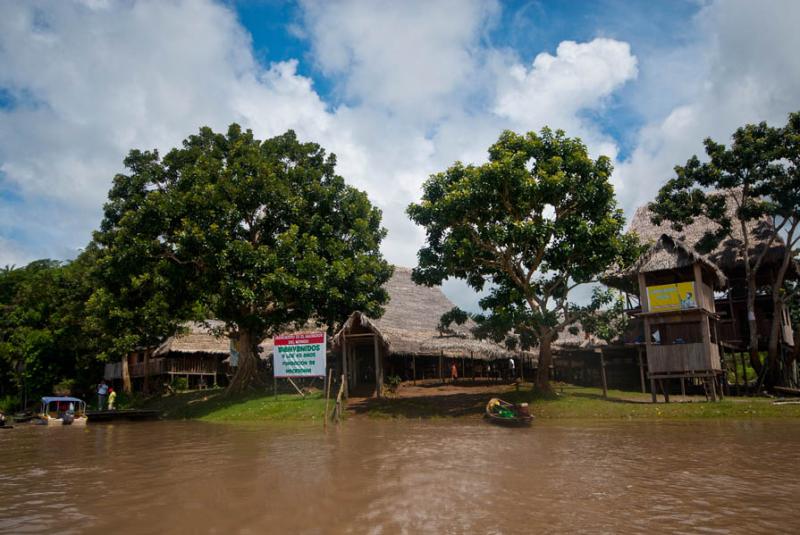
<point x="509" y="414"/>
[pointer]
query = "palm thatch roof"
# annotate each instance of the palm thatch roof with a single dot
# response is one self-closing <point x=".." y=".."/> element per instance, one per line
<point x="409" y="323"/>
<point x="727" y="255"/>
<point x="196" y="337"/>
<point x="669" y="253"/>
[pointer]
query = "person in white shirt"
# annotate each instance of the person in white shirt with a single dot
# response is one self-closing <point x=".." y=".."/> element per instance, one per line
<point x="102" y="392"/>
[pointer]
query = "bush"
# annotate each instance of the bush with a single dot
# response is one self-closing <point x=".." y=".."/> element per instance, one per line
<point x="392" y="383"/>
<point x="64" y="388"/>
<point x="7" y="403"/>
<point x="180" y="383"/>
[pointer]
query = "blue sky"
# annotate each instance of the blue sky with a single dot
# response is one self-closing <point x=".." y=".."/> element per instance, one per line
<point x="397" y="90"/>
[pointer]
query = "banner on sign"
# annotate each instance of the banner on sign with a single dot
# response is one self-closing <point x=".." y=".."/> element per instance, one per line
<point x="665" y="297"/>
<point x="299" y="355"/>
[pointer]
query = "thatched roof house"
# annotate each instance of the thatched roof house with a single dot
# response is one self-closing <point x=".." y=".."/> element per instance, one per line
<point x="196" y="337"/>
<point x="728" y="254"/>
<point x="670" y="254"/>
<point x="409" y="324"/>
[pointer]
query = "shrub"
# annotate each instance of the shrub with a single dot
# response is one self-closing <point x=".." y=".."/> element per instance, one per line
<point x="180" y="383"/>
<point x="393" y="382"/>
<point x="64" y="388"/>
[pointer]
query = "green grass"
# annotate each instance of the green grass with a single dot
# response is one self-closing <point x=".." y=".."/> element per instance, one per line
<point x="588" y="403"/>
<point x="212" y="406"/>
<point x="568" y="402"/>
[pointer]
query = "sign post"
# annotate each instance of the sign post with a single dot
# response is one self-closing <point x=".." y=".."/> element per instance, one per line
<point x="299" y="355"/>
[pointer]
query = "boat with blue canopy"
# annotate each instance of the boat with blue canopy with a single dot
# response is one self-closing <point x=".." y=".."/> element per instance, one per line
<point x="62" y="410"/>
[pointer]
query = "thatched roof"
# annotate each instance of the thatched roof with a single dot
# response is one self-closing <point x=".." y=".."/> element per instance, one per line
<point x="727" y="255"/>
<point x="669" y="253"/>
<point x="409" y="323"/>
<point x="195" y="337"/>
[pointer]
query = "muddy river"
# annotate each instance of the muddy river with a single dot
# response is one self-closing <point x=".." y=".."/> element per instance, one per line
<point x="402" y="477"/>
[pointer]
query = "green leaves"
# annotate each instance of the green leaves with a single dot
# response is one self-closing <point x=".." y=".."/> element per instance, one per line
<point x="538" y="218"/>
<point x="261" y="235"/>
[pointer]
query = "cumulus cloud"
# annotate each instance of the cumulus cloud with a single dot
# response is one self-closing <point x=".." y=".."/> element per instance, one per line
<point x="89" y="81"/>
<point x="408" y="57"/>
<point x="741" y="68"/>
<point x="416" y="86"/>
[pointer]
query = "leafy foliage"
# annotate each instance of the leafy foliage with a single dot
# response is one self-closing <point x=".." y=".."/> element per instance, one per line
<point x="454" y="315"/>
<point x="534" y="222"/>
<point x="261" y="235"/>
<point x="760" y="174"/>
<point x="42" y="328"/>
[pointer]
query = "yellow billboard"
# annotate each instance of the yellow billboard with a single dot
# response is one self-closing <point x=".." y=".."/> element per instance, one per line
<point x="677" y="296"/>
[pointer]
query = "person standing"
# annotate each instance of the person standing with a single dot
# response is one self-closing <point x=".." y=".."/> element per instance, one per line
<point x="512" y="368"/>
<point x="102" y="392"/>
<point x="112" y="399"/>
<point x="453" y="372"/>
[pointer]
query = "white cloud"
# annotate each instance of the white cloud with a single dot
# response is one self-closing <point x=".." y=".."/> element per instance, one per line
<point x="743" y="67"/>
<point x="410" y="57"/>
<point x="419" y="88"/>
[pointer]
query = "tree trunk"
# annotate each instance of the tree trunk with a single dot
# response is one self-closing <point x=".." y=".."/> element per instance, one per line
<point x="246" y="375"/>
<point x="545" y="360"/>
<point x="126" y="376"/>
<point x="755" y="360"/>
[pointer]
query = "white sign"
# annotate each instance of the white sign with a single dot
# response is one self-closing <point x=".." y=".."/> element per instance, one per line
<point x="299" y="355"/>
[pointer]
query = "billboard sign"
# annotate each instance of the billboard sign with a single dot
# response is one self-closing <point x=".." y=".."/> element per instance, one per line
<point x="667" y="297"/>
<point x="299" y="355"/>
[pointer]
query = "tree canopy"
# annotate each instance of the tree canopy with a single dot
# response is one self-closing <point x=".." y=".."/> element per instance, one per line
<point x="759" y="174"/>
<point x="42" y="329"/>
<point x="535" y="221"/>
<point x="261" y="235"/>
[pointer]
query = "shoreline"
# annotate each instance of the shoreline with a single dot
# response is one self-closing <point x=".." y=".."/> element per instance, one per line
<point x="466" y="401"/>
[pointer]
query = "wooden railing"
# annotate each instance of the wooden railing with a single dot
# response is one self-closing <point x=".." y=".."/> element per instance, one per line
<point x="163" y="366"/>
<point x="153" y="367"/>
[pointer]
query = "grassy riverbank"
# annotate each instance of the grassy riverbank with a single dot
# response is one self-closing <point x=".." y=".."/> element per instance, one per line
<point x="212" y="406"/>
<point x="573" y="402"/>
<point x="465" y="401"/>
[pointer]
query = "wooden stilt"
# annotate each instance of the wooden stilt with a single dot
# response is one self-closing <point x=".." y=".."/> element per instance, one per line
<point x="414" y="367"/>
<point x="441" y="358"/>
<point x="641" y="368"/>
<point x="665" y="389"/>
<point x="653" y="390"/>
<point x="683" y="388"/>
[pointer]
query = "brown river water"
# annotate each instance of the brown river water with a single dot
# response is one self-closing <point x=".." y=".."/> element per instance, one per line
<point x="402" y="477"/>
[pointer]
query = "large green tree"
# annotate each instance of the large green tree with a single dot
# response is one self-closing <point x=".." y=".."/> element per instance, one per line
<point x="42" y="322"/>
<point x="758" y="174"/>
<point x="262" y="235"/>
<point x="534" y="222"/>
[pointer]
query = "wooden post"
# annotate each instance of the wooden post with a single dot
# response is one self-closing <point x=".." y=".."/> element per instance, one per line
<point x="683" y="388"/>
<point x="414" y="366"/>
<point x="345" y="365"/>
<point x="664" y="389"/>
<point x="327" y="395"/>
<point x="603" y="374"/>
<point x="744" y="373"/>
<point x="641" y="368"/>
<point x="441" y="357"/>
<point x="653" y="390"/>
<point x="378" y="367"/>
<point x="472" y="360"/>
<point x="337" y="411"/>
